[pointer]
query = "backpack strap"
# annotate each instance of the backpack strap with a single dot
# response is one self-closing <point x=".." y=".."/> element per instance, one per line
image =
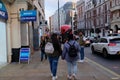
<point x="70" y="44"/>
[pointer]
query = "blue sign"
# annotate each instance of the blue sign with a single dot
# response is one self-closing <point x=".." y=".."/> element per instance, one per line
<point x="24" y="55"/>
<point x="3" y="11"/>
<point x="28" y="15"/>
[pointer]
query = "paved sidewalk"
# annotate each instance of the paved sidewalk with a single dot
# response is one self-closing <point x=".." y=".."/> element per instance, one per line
<point x="37" y="70"/>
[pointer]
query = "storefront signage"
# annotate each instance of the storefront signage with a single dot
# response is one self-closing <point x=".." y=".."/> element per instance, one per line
<point x="3" y="11"/>
<point x="28" y="15"/>
<point x="24" y="55"/>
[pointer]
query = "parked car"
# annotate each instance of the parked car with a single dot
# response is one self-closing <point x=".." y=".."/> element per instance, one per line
<point x="107" y="46"/>
<point x="91" y="39"/>
<point x="114" y="34"/>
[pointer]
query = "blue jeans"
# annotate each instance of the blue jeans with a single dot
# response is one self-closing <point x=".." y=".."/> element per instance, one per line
<point x="72" y="68"/>
<point x="82" y="53"/>
<point x="43" y="54"/>
<point x="53" y="64"/>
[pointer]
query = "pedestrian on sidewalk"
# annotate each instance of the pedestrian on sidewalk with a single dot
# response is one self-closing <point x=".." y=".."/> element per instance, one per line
<point x="54" y="57"/>
<point x="42" y="47"/>
<point x="71" y="61"/>
<point x="82" y="44"/>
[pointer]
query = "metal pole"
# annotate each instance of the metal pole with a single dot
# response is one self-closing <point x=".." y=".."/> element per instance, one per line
<point x="58" y="16"/>
<point x="71" y="15"/>
<point x="71" y="23"/>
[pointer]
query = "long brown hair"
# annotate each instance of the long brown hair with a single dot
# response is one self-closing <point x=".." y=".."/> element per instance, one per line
<point x="54" y="37"/>
<point x="55" y="41"/>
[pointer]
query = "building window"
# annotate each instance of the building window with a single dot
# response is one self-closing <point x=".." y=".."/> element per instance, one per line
<point x="114" y="3"/>
<point x="117" y="2"/>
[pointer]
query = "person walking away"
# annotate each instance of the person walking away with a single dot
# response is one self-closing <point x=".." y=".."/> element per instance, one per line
<point x="82" y="44"/>
<point x="42" y="46"/>
<point x="54" y="57"/>
<point x="71" y="59"/>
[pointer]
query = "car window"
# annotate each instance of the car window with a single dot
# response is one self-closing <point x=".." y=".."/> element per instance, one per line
<point x="115" y="40"/>
<point x="114" y="35"/>
<point x="103" y="40"/>
<point x="97" y="40"/>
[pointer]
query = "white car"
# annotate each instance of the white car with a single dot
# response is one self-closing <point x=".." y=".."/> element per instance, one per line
<point x="107" y="46"/>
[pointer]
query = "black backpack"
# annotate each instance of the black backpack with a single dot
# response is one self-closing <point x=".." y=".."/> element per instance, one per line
<point x="72" y="50"/>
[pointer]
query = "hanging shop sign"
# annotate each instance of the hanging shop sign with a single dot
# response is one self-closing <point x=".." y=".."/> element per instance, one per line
<point x="3" y="11"/>
<point x="28" y="15"/>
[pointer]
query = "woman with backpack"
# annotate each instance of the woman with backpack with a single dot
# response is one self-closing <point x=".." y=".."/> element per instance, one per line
<point x="71" y="58"/>
<point x="54" y="57"/>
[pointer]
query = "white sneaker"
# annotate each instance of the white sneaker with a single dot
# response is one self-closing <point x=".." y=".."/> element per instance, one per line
<point x="78" y="60"/>
<point x="74" y="76"/>
<point x="69" y="77"/>
<point x="81" y="61"/>
<point x="54" y="78"/>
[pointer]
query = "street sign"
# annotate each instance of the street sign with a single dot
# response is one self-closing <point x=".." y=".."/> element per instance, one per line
<point x="24" y="55"/>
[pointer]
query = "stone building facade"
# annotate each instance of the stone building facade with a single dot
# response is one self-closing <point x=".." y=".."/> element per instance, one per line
<point x="96" y="18"/>
<point x="18" y="34"/>
<point x="115" y="15"/>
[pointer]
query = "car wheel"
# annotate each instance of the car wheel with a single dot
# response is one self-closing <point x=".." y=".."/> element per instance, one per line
<point x="93" y="50"/>
<point x="105" y="53"/>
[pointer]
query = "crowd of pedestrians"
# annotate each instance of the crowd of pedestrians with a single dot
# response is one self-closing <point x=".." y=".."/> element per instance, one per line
<point x="64" y="52"/>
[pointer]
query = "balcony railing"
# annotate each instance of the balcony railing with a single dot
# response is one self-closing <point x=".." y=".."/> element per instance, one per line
<point x="115" y="20"/>
<point x="115" y="8"/>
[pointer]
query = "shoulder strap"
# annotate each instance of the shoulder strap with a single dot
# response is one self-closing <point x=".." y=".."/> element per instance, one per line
<point x="70" y="44"/>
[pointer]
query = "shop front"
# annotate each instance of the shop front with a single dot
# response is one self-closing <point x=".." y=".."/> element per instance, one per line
<point x="3" y="37"/>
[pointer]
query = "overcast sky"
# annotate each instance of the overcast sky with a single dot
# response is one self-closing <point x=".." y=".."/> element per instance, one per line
<point x="52" y="5"/>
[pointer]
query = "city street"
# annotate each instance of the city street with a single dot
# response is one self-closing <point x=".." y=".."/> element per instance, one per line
<point x="27" y="25"/>
<point x="112" y="63"/>
<point x="37" y="70"/>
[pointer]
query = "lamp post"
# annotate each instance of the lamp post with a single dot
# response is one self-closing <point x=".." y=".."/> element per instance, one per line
<point x="71" y="15"/>
<point x="58" y="16"/>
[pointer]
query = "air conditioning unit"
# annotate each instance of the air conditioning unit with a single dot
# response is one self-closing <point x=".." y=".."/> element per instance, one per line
<point x="10" y="1"/>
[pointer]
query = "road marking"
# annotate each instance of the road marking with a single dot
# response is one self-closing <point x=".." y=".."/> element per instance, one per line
<point x="106" y="69"/>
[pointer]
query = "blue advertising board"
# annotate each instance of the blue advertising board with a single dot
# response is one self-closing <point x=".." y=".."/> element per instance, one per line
<point x="24" y="55"/>
<point x="3" y="11"/>
<point x="28" y="15"/>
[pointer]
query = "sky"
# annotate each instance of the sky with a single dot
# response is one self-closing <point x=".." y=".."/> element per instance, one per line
<point x="52" y="5"/>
